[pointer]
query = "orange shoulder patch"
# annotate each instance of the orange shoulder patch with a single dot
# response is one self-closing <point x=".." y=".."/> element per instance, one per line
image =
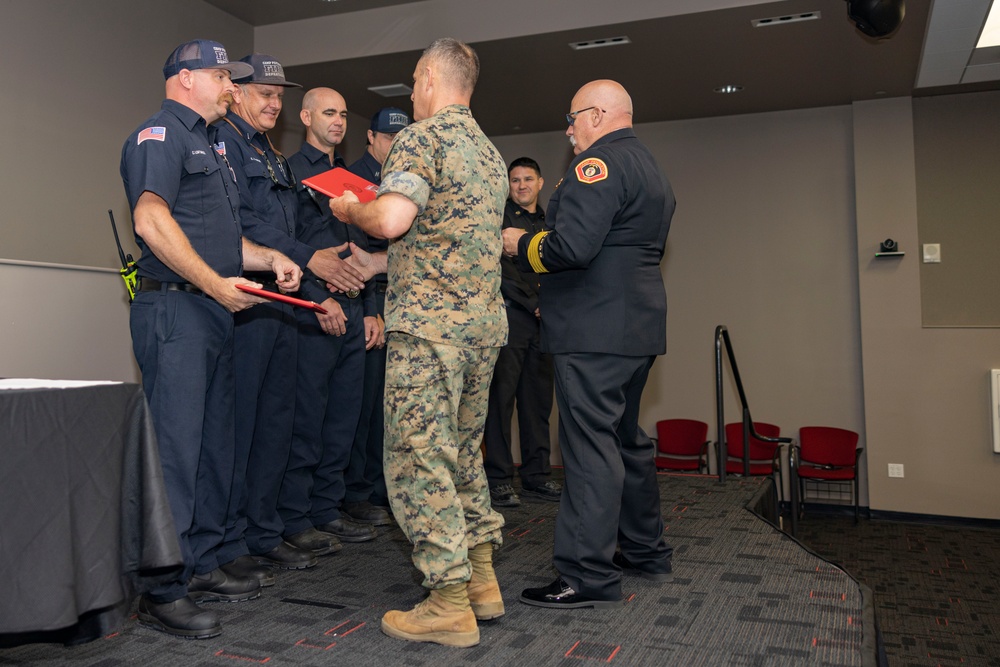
<point x="591" y="170"/>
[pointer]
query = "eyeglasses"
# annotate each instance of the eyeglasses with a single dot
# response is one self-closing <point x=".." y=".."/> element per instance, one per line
<point x="288" y="180"/>
<point x="571" y="116"/>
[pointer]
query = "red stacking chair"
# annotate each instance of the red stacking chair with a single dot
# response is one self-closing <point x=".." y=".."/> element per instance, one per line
<point x="765" y="457"/>
<point x="681" y="444"/>
<point x="829" y="454"/>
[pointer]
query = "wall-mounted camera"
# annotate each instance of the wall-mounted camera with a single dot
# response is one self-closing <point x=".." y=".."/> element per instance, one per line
<point x="888" y="246"/>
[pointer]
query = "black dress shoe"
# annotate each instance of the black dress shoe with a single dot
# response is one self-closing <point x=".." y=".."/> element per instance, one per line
<point x="246" y="566"/>
<point x="626" y="565"/>
<point x="287" y="557"/>
<point x="503" y="495"/>
<point x="310" y="539"/>
<point x="181" y="618"/>
<point x="559" y="595"/>
<point x="550" y="491"/>
<point x="218" y="586"/>
<point x="348" y="531"/>
<point x="365" y="512"/>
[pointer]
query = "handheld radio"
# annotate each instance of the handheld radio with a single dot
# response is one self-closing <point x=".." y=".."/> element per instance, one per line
<point x="128" y="270"/>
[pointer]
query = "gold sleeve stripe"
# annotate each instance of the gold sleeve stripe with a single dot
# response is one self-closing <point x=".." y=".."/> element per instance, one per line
<point x="535" y="252"/>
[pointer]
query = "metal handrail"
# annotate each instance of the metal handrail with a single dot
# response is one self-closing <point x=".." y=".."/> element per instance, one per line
<point x="721" y="453"/>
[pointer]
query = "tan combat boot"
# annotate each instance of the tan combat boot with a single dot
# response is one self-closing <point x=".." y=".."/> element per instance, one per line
<point x="484" y="591"/>
<point x="444" y="617"/>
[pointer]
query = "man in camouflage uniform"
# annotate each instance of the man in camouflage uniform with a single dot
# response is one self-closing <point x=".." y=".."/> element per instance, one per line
<point x="441" y="199"/>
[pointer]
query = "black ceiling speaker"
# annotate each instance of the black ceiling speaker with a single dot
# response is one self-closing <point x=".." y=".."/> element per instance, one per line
<point x="876" y="18"/>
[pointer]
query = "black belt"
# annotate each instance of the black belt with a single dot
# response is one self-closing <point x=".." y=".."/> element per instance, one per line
<point x="263" y="277"/>
<point x="350" y="294"/>
<point x="151" y="285"/>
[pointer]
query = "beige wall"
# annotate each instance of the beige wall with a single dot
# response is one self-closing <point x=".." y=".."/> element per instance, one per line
<point x="926" y="390"/>
<point x="78" y="77"/>
<point x="957" y="144"/>
<point x="779" y="217"/>
<point x="763" y="242"/>
<point x="65" y="323"/>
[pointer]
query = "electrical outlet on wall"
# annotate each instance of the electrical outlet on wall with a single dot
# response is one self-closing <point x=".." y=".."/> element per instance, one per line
<point x="895" y="470"/>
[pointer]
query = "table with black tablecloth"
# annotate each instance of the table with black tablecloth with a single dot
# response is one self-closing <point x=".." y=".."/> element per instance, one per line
<point x="85" y="525"/>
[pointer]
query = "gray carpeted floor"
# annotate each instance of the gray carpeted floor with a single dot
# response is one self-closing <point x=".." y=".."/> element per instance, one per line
<point x="743" y="594"/>
<point x="935" y="586"/>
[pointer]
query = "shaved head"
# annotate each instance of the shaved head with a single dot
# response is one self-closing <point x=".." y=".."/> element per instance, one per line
<point x="598" y="108"/>
<point x="610" y="96"/>
<point x="324" y="113"/>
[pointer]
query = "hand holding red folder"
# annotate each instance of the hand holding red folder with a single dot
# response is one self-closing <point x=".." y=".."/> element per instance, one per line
<point x="338" y="180"/>
<point x="284" y="298"/>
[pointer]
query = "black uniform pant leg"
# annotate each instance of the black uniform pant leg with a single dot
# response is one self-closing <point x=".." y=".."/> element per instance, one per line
<point x="374" y="467"/>
<point x="316" y="359"/>
<point x="183" y="346"/>
<point x="534" y="406"/>
<point x="364" y="477"/>
<point x="591" y="394"/>
<point x="272" y="432"/>
<point x="640" y="525"/>
<point x="498" y="461"/>
<point x="340" y="420"/>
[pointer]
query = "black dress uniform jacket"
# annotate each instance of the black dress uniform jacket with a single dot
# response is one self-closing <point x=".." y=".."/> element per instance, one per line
<point x="601" y="288"/>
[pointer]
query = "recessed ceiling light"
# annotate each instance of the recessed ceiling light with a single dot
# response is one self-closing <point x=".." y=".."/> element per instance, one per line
<point x="729" y="88"/>
<point x="597" y="43"/>
<point x="781" y="20"/>
<point x="991" y="31"/>
<point x="392" y="90"/>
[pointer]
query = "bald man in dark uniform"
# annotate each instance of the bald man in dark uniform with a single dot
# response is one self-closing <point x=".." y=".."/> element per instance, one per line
<point x="604" y="312"/>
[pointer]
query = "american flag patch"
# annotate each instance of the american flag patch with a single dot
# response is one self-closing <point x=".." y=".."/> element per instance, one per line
<point x="220" y="148"/>
<point x="154" y="133"/>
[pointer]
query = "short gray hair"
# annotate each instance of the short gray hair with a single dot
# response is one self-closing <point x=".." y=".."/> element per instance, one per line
<point x="458" y="60"/>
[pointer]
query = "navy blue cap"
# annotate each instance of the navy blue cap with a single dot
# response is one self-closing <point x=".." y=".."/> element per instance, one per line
<point x="267" y="70"/>
<point x="203" y="54"/>
<point x="389" y="120"/>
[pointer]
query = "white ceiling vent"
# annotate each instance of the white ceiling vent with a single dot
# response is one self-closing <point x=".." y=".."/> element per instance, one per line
<point x="392" y="90"/>
<point x="597" y="43"/>
<point x="781" y="20"/>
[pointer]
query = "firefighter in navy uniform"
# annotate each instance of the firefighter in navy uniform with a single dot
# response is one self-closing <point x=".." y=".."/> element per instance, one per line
<point x="185" y="211"/>
<point x="265" y="337"/>
<point x="330" y="370"/>
<point x="604" y="321"/>
<point x="367" y="500"/>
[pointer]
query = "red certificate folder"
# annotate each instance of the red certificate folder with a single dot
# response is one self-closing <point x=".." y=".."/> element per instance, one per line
<point x="338" y="180"/>
<point x="284" y="298"/>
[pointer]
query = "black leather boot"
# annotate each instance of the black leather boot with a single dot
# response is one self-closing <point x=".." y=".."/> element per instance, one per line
<point x="218" y="586"/>
<point x="181" y="618"/>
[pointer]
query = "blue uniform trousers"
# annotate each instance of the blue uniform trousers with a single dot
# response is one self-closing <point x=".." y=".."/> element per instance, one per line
<point x="327" y="403"/>
<point x="264" y="359"/>
<point x="611" y="494"/>
<point x="183" y="344"/>
<point x="364" y="477"/>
